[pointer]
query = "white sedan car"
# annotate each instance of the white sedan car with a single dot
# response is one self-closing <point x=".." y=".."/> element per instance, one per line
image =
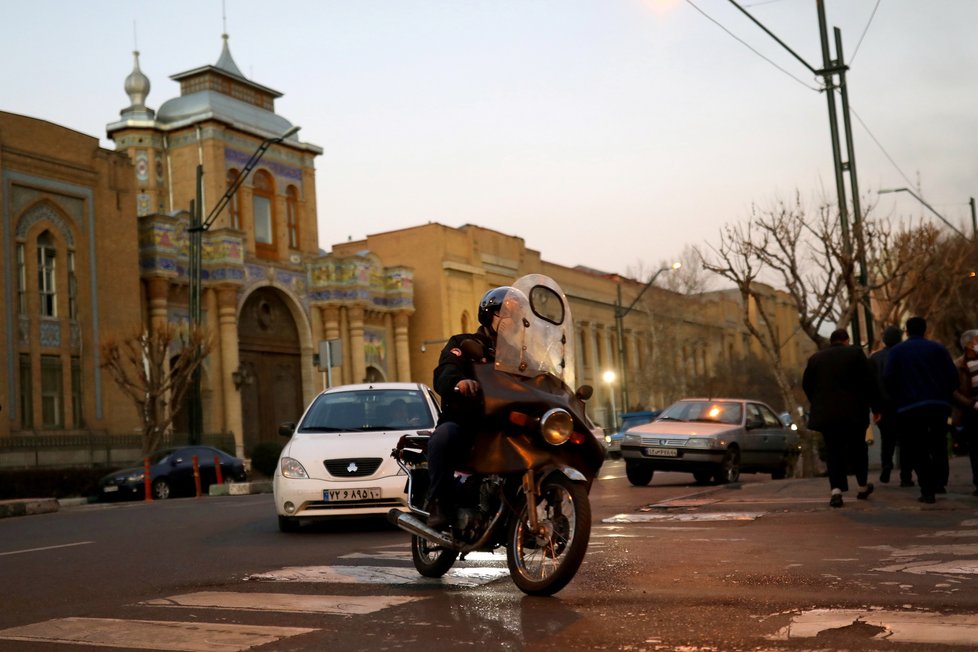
<point x="338" y="459"/>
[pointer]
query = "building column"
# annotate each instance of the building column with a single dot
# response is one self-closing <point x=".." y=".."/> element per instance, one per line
<point x="158" y="289"/>
<point x="331" y="331"/>
<point x="227" y="318"/>
<point x="402" y="351"/>
<point x="358" y="366"/>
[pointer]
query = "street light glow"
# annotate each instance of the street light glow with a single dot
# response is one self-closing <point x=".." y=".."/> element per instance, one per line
<point x="609" y="376"/>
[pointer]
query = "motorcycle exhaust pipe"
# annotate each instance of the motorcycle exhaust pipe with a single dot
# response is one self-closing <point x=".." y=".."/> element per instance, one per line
<point x="414" y="525"/>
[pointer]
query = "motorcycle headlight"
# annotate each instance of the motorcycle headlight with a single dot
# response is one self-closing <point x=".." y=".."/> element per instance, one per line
<point x="292" y="468"/>
<point x="556" y="426"/>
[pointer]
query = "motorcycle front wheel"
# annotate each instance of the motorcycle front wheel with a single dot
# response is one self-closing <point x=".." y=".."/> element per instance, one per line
<point x="543" y="562"/>
<point x="431" y="560"/>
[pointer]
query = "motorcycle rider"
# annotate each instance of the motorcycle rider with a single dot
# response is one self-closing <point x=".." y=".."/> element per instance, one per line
<point x="455" y="383"/>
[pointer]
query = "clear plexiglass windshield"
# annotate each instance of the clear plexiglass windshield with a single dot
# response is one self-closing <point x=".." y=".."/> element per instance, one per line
<point x="535" y="330"/>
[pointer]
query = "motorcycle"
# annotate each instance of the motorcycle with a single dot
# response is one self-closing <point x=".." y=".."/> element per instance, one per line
<point x="524" y="486"/>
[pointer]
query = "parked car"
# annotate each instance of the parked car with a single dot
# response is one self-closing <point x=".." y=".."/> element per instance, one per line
<point x="338" y="459"/>
<point x="171" y="474"/>
<point x="628" y="419"/>
<point x="713" y="439"/>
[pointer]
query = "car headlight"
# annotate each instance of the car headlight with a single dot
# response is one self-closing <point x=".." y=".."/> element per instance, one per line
<point x="556" y="426"/>
<point x="705" y="442"/>
<point x="135" y="477"/>
<point x="291" y="468"/>
<point x="631" y="439"/>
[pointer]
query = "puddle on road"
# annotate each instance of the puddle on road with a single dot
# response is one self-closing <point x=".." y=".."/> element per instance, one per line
<point x="879" y="624"/>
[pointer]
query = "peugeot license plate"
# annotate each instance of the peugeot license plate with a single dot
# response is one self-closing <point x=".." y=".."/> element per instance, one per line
<point x="338" y="495"/>
<point x="662" y="452"/>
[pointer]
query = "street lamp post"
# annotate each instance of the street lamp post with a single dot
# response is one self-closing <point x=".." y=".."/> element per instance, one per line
<point x="195" y="254"/>
<point x="609" y="378"/>
<point x="974" y="226"/>
<point x="619" y="319"/>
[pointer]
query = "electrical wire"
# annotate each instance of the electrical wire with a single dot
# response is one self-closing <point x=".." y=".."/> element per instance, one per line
<point x="880" y="145"/>
<point x="749" y="47"/>
<point x="865" y="29"/>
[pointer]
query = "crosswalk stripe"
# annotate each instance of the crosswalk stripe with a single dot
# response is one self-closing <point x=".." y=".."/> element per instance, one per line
<point x="708" y="516"/>
<point x="151" y="634"/>
<point x="286" y="602"/>
<point x="460" y="576"/>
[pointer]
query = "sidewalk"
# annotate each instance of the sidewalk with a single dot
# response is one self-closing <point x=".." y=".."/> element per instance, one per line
<point x="29" y="506"/>
<point x="806" y="494"/>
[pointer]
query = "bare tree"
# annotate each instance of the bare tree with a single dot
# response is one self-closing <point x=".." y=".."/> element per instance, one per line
<point x="155" y="370"/>
<point x="938" y="280"/>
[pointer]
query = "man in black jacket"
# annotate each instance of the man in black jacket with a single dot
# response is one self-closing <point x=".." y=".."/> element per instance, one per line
<point x="454" y="380"/>
<point x="841" y="389"/>
<point x="887" y="422"/>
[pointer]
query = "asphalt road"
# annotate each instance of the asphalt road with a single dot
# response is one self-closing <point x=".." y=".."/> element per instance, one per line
<point x="757" y="565"/>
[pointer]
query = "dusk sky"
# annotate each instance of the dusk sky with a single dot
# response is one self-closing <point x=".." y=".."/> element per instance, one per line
<point x="605" y="133"/>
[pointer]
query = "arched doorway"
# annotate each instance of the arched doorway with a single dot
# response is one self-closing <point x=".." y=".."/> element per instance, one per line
<point x="268" y="348"/>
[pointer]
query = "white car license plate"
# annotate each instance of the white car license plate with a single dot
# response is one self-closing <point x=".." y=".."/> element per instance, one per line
<point x="337" y="495"/>
<point x="662" y="452"/>
<point x="109" y="489"/>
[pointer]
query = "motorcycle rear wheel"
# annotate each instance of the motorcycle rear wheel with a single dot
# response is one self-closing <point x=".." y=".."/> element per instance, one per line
<point x="431" y="560"/>
<point x="543" y="563"/>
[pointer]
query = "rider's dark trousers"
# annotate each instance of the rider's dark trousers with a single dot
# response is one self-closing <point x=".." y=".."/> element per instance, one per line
<point x="447" y="449"/>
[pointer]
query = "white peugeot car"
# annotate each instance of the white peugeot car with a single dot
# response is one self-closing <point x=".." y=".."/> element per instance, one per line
<point x="338" y="459"/>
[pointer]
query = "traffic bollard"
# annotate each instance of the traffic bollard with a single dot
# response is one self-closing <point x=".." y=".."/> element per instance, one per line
<point x="217" y="469"/>
<point x="147" y="482"/>
<point x="197" y="474"/>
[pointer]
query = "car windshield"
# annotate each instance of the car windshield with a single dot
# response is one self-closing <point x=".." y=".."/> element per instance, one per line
<point x="710" y="411"/>
<point x="368" y="411"/>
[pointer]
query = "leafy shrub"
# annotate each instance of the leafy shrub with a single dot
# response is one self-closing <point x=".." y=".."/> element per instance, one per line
<point x="264" y="457"/>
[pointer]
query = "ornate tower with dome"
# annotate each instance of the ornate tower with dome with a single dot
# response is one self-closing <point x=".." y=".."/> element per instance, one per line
<point x="269" y="296"/>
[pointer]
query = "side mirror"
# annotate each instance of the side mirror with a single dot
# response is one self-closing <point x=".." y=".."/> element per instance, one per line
<point x="754" y="422"/>
<point x="286" y="429"/>
<point x="473" y="349"/>
<point x="584" y="392"/>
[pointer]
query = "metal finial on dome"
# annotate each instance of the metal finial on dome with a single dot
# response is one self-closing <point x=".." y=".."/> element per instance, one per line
<point x="226" y="61"/>
<point x="137" y="85"/>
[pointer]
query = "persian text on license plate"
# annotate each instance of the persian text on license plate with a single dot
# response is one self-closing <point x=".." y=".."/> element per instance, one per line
<point x="662" y="452"/>
<point x="367" y="493"/>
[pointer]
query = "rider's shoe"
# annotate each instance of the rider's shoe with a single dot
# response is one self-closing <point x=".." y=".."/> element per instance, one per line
<point x="438" y="515"/>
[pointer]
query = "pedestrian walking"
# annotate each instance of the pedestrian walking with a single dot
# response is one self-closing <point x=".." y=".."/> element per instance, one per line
<point x="965" y="411"/>
<point x="841" y="391"/>
<point x="920" y="377"/>
<point x="886" y="423"/>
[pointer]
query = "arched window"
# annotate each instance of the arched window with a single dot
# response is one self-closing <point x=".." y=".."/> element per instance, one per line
<point x="263" y="205"/>
<point x="292" y="215"/>
<point x="46" y="275"/>
<point x="234" y="209"/>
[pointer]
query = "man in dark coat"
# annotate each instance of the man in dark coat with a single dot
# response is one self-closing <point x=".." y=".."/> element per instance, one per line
<point x="920" y="377"/>
<point x="892" y="336"/>
<point x="841" y="389"/>
<point x="454" y="380"/>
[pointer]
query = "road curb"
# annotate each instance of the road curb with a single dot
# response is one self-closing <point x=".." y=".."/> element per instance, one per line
<point x="27" y="506"/>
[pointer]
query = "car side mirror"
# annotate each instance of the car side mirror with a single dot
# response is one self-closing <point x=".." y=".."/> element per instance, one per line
<point x="286" y="429"/>
<point x="754" y="422"/>
<point x="584" y="392"/>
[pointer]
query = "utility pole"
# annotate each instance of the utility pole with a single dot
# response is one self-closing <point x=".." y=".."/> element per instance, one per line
<point x="828" y="72"/>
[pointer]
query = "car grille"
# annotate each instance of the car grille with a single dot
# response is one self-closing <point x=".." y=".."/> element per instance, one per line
<point x="677" y="442"/>
<point x="353" y="467"/>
